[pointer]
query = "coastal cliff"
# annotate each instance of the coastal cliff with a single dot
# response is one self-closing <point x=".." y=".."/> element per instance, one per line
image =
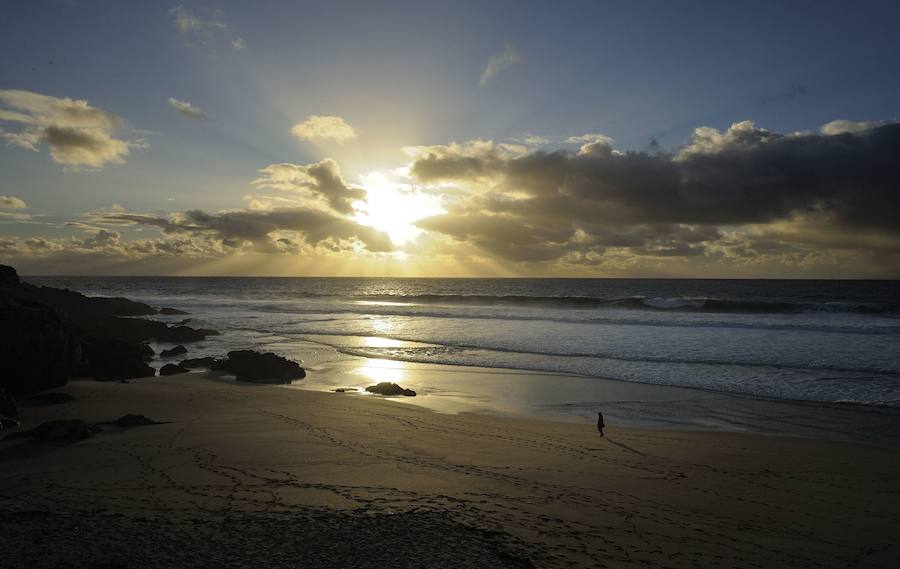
<point x="49" y="334"/>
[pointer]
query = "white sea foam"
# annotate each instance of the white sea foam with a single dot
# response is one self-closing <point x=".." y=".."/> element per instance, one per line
<point x="821" y="341"/>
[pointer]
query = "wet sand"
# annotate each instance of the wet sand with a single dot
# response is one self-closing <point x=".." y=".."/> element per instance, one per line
<point x="268" y="476"/>
<point x="574" y="398"/>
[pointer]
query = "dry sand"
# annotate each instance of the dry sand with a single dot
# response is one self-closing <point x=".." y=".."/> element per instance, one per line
<point x="266" y="476"/>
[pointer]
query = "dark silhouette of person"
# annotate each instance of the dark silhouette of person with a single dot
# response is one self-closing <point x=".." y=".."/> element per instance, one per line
<point x="600" y="423"/>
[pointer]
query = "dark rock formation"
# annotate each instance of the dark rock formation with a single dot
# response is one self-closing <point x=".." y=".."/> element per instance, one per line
<point x="172" y="311"/>
<point x="111" y="359"/>
<point x="9" y="411"/>
<point x="345" y="389"/>
<point x="390" y="389"/>
<point x="131" y="420"/>
<point x="8" y="276"/>
<point x="176" y="351"/>
<point x="138" y="330"/>
<point x="58" y="431"/>
<point x="80" y="307"/>
<point x="172" y="369"/>
<point x="38" y="348"/>
<point x="48" y="335"/>
<point x="194" y="363"/>
<point x="248" y="365"/>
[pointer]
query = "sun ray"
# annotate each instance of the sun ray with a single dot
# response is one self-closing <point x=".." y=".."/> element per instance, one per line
<point x="394" y="206"/>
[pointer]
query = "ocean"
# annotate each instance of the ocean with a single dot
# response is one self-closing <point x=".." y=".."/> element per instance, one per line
<point x="822" y="341"/>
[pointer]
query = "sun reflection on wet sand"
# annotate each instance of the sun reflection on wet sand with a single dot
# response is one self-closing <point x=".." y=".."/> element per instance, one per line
<point x="378" y="342"/>
<point x="382" y="370"/>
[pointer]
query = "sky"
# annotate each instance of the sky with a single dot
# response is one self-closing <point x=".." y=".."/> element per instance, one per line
<point x="450" y="139"/>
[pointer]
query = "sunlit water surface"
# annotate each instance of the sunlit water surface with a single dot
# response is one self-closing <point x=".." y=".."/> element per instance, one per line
<point x="832" y="341"/>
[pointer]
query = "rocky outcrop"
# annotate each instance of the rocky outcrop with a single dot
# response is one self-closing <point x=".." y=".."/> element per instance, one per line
<point x="9" y="411"/>
<point x="140" y="330"/>
<point x="8" y="276"/>
<point x="176" y="351"/>
<point x="248" y="365"/>
<point x="112" y="359"/>
<point x="172" y="369"/>
<point x="132" y="420"/>
<point x="38" y="348"/>
<point x="112" y="317"/>
<point x="80" y="307"/>
<point x="49" y="334"/>
<point x="390" y="389"/>
<point x="172" y="311"/>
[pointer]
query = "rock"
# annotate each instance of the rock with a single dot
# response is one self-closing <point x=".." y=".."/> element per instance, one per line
<point x="53" y="398"/>
<point x="248" y="365"/>
<point x="140" y="330"/>
<point x="172" y="311"/>
<point x="131" y="420"/>
<point x="193" y="363"/>
<point x="112" y="359"/>
<point x="176" y="351"/>
<point x="49" y="334"/>
<point x="8" y="276"/>
<point x="9" y="411"/>
<point x="38" y="348"/>
<point x="89" y="308"/>
<point x="345" y="389"/>
<point x="390" y="389"/>
<point x="172" y="369"/>
<point x="58" y="431"/>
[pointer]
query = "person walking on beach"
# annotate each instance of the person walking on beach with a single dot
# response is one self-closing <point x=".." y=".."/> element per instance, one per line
<point x="600" y="423"/>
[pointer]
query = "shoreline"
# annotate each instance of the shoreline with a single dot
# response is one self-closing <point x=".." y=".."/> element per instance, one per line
<point x="504" y="392"/>
<point x="300" y="465"/>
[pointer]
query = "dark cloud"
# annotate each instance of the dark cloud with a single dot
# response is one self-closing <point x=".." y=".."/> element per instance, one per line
<point x="320" y="180"/>
<point x="259" y="230"/>
<point x="843" y="180"/>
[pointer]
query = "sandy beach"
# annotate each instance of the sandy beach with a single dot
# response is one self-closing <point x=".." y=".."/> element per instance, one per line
<point x="267" y="476"/>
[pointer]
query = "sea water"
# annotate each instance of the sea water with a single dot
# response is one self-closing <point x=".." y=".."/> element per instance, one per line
<point x="825" y="341"/>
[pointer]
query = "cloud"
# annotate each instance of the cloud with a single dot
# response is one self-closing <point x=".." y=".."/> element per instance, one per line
<point x="319" y="181"/>
<point x="12" y="202"/>
<point x="189" y="24"/>
<point x="843" y="126"/>
<point x="720" y="194"/>
<point x="77" y="134"/>
<point x="541" y="140"/>
<point x="499" y="62"/>
<point x="205" y="31"/>
<point x="324" y="127"/>
<point x="256" y="230"/>
<point x="187" y="109"/>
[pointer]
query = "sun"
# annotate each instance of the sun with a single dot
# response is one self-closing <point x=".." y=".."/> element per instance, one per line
<point x="394" y="207"/>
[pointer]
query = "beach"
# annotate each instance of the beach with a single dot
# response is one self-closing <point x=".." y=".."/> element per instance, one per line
<point x="271" y="476"/>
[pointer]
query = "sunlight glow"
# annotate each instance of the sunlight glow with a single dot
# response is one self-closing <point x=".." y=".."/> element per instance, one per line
<point x="382" y="370"/>
<point x="394" y="207"/>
